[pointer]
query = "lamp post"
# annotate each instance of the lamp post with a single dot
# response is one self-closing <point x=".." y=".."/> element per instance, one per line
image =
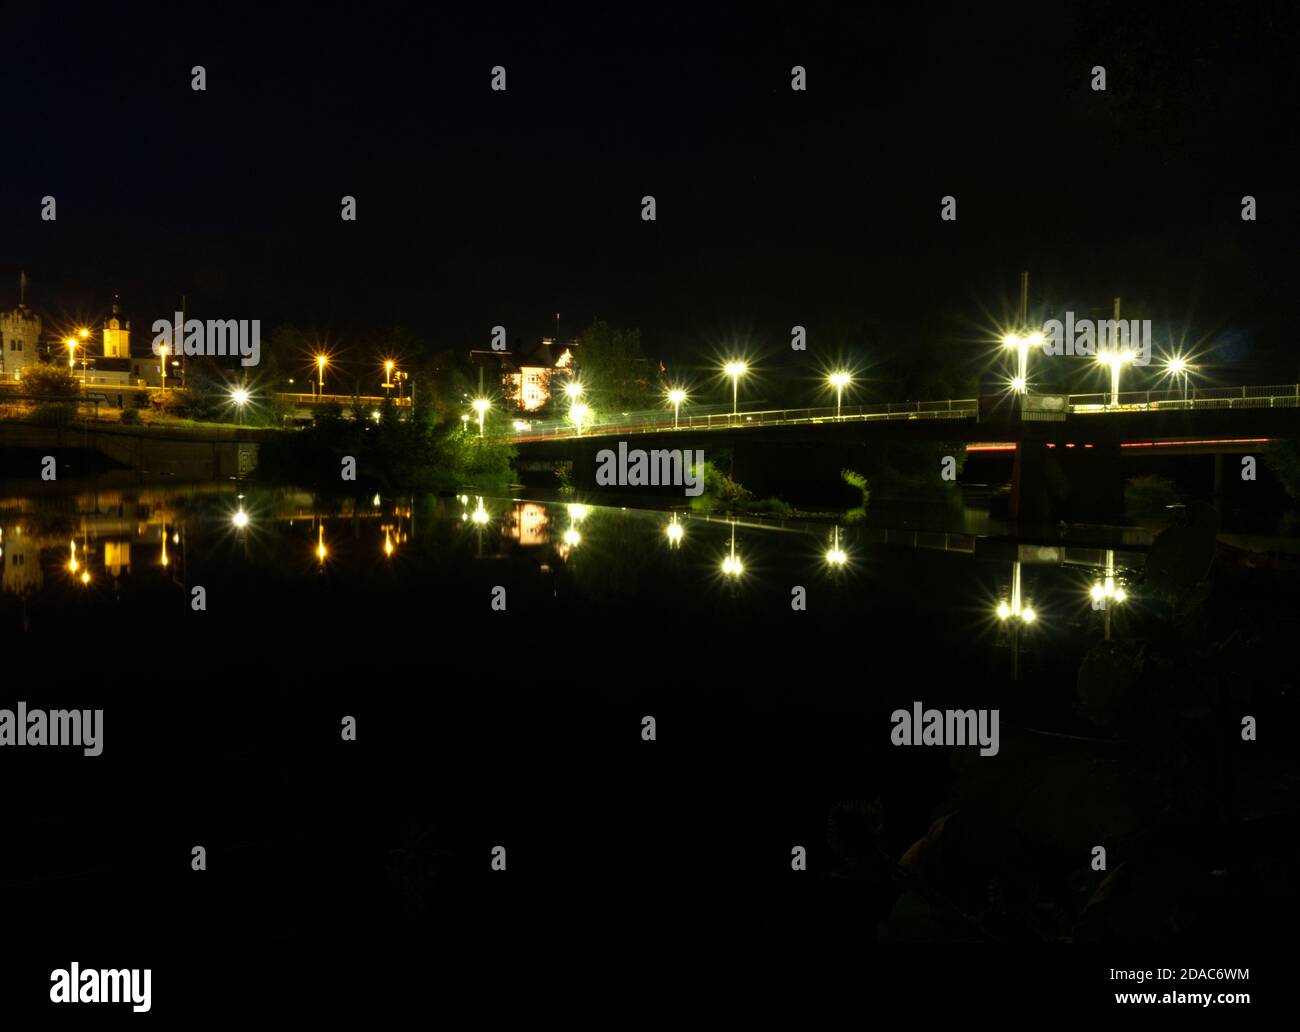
<point x="1116" y="360"/>
<point x="481" y="405"/>
<point x="1177" y="367"/>
<point x="839" y="381"/>
<point x="388" y="374"/>
<point x="162" y="364"/>
<point x="1022" y="342"/>
<point x="735" y="370"/>
<point x="321" y="362"/>
<point x="578" y="413"/>
<point x="240" y="397"/>
<point x="71" y="342"/>
<point x="676" y="396"/>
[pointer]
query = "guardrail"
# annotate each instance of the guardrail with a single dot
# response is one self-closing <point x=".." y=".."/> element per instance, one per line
<point x="633" y="423"/>
<point x="1198" y="398"/>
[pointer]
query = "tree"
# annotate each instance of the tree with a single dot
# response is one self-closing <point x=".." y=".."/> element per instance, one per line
<point x="614" y="370"/>
<point x="50" y="379"/>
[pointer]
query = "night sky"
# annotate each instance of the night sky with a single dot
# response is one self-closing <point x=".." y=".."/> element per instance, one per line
<point x="774" y="207"/>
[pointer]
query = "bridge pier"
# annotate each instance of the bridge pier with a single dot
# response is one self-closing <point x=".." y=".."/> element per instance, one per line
<point x="1050" y="483"/>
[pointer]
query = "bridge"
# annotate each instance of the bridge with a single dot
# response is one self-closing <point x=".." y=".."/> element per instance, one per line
<point x="1067" y="451"/>
<point x="954" y="419"/>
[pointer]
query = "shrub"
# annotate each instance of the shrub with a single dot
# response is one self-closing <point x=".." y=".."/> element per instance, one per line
<point x="52" y="380"/>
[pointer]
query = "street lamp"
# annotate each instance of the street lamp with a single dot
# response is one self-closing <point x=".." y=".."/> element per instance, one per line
<point x="321" y="362"/>
<point x="162" y="354"/>
<point x="1179" y="367"/>
<point x="839" y="381"/>
<point x="481" y="405"/>
<point x="71" y="342"/>
<point x="240" y="397"/>
<point x="676" y="396"/>
<point x="573" y="389"/>
<point x="1022" y="343"/>
<point x="735" y="370"/>
<point x="1116" y="360"/>
<point x="388" y="373"/>
<point x="578" y="413"/>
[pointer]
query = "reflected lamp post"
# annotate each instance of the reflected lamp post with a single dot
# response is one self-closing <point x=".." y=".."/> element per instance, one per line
<point x="1017" y="614"/>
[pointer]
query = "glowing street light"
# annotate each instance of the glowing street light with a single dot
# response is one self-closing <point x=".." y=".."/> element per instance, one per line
<point x="1178" y="367"/>
<point x="321" y="550"/>
<point x="321" y="362"/>
<point x="240" y="518"/>
<point x="480" y="405"/>
<point x="675" y="398"/>
<point x="1116" y="360"/>
<point x="241" y="397"/>
<point x="162" y="363"/>
<point x="388" y="373"/>
<point x="578" y="413"/>
<point x="71" y="342"/>
<point x="1022" y="343"/>
<point x="839" y="381"/>
<point x="573" y="389"/>
<point x="735" y="370"/>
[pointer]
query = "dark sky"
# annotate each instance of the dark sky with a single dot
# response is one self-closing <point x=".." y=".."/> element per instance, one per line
<point x="774" y="207"/>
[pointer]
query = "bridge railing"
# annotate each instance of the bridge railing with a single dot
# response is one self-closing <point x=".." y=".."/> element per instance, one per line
<point x="1195" y="399"/>
<point x="654" y="422"/>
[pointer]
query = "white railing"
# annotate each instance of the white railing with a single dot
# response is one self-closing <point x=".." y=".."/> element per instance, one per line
<point x="658" y="422"/>
<point x="1196" y="399"/>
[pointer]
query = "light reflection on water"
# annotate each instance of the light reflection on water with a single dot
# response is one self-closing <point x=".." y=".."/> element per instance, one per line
<point x="1011" y="591"/>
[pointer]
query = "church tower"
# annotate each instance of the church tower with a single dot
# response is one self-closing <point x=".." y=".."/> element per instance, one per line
<point x="117" y="333"/>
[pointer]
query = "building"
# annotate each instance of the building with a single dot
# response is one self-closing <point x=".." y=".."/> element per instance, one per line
<point x="527" y="381"/>
<point x="20" y="334"/>
<point x="20" y="337"/>
<point x="116" y="365"/>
